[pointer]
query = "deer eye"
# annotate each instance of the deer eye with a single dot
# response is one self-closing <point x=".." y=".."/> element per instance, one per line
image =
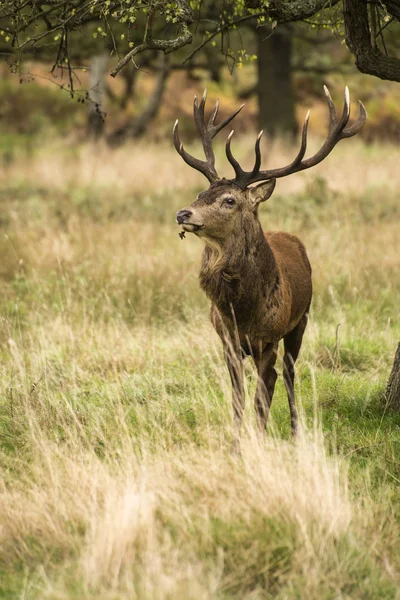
<point x="229" y="201"/>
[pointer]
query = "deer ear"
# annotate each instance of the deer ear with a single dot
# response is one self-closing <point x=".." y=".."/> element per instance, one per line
<point x="262" y="191"/>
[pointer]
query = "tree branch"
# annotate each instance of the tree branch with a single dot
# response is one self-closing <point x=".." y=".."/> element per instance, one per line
<point x="167" y="46"/>
<point x="393" y="7"/>
<point x="220" y="29"/>
<point x="369" y="59"/>
<point x="296" y="10"/>
<point x="281" y="12"/>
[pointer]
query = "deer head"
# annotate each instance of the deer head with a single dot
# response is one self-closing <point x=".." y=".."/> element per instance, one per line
<point x="219" y="212"/>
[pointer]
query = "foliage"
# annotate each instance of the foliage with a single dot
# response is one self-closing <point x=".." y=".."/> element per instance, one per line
<point x="35" y="109"/>
<point x="129" y="28"/>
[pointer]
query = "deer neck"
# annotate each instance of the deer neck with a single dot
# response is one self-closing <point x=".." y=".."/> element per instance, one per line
<point x="241" y="272"/>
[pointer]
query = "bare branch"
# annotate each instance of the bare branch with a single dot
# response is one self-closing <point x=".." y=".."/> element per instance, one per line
<point x="220" y="29"/>
<point x="166" y="46"/>
<point x="281" y="12"/>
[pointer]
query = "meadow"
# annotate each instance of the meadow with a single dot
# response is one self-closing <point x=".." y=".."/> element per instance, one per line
<point x="115" y="411"/>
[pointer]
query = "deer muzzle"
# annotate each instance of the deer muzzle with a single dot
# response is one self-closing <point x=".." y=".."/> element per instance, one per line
<point x="183" y="215"/>
<point x="183" y="219"/>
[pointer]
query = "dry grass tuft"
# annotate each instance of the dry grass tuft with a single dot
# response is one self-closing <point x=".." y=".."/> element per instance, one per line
<point x="149" y="527"/>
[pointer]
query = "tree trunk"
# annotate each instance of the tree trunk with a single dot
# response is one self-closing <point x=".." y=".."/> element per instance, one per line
<point x="129" y="74"/>
<point x="213" y="62"/>
<point x="392" y="394"/>
<point x="139" y="126"/>
<point x="275" y="89"/>
<point x="97" y="91"/>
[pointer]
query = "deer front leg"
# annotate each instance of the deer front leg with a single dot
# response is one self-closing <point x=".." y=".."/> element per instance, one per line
<point x="234" y="363"/>
<point x="288" y="378"/>
<point x="292" y="342"/>
<point x="265" y="385"/>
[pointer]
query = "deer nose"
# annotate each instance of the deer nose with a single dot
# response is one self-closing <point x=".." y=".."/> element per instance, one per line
<point x="183" y="215"/>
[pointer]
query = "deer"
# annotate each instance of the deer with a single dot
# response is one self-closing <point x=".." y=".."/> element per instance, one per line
<point x="259" y="283"/>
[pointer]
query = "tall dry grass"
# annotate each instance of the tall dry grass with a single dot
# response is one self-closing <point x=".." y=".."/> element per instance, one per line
<point x="152" y="168"/>
<point x="165" y="524"/>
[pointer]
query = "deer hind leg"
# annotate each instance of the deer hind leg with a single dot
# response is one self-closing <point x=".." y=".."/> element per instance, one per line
<point x="292" y="344"/>
<point x="234" y="363"/>
<point x="265" y="385"/>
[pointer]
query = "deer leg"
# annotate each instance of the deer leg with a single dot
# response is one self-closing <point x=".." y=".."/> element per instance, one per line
<point x="234" y="363"/>
<point x="292" y="343"/>
<point x="265" y="385"/>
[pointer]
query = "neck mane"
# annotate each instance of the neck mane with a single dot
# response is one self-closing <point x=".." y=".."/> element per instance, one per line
<point x="241" y="273"/>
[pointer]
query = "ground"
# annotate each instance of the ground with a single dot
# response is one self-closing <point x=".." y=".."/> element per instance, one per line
<point x="115" y="420"/>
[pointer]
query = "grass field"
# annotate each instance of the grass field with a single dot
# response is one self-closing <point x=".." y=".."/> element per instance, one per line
<point x="115" y="424"/>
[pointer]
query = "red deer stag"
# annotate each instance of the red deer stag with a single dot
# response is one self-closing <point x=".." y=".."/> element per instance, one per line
<point x="259" y="283"/>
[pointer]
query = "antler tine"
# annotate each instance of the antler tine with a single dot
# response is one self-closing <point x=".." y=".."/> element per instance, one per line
<point x="346" y="111"/>
<point x="257" y="163"/>
<point x="211" y="128"/>
<point x="357" y="125"/>
<point x="213" y="116"/>
<point x="207" y="133"/>
<point x="198" y="113"/>
<point x="205" y="167"/>
<point x="203" y="101"/>
<point x="243" y="178"/>
<point x="334" y="136"/>
<point x="177" y="141"/>
<point x="332" y="110"/>
<point x="303" y="147"/>
<point x="204" y="131"/>
<point x="225" y="122"/>
<point x="237" y="168"/>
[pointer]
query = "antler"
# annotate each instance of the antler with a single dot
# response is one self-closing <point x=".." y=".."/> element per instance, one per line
<point x="337" y="131"/>
<point x="207" y="133"/>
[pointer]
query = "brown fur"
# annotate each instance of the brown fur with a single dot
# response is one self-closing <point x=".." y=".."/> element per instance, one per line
<point x="259" y="286"/>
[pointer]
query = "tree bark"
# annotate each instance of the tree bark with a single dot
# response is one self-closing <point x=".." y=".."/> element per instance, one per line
<point x="97" y="90"/>
<point x="129" y="75"/>
<point x="369" y="59"/>
<point x="139" y="126"/>
<point x="295" y="10"/>
<point x="392" y="394"/>
<point x="275" y="88"/>
<point x="213" y="63"/>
